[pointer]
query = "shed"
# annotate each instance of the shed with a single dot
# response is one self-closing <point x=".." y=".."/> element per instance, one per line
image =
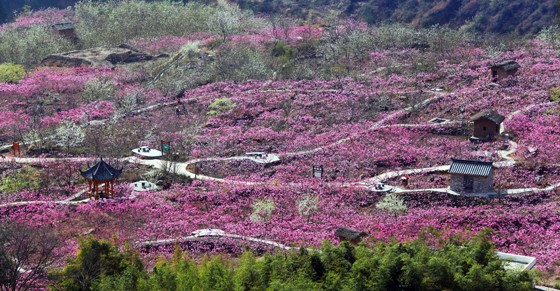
<point x="486" y="124"/>
<point x="471" y="177"/>
<point x="65" y="29"/>
<point x="348" y="234"/>
<point x="503" y="70"/>
<point x="98" y="175"/>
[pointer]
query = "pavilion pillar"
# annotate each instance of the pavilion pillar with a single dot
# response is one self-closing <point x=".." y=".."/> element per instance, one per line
<point x="96" y="189"/>
<point x="89" y="189"/>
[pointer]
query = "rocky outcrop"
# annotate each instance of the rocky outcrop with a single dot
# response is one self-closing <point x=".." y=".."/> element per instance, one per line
<point x="97" y="57"/>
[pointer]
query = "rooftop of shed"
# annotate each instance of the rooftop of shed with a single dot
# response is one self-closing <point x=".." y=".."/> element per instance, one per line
<point x="348" y="233"/>
<point x="470" y="168"/>
<point x="508" y="65"/>
<point x="490" y="115"/>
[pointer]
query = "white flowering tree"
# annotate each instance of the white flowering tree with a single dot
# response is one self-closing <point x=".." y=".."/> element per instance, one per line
<point x="68" y="135"/>
<point x="226" y="20"/>
<point x="392" y="204"/>
<point x="127" y="102"/>
<point x="262" y="210"/>
<point x="307" y="205"/>
<point x="98" y="89"/>
<point x="34" y="138"/>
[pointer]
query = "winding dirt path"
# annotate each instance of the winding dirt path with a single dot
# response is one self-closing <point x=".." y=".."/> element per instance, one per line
<point x="62" y="202"/>
<point x="211" y="235"/>
<point x="180" y="168"/>
<point x="377" y="125"/>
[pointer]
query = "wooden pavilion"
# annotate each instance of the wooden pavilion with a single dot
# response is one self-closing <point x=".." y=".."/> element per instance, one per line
<point x="101" y="174"/>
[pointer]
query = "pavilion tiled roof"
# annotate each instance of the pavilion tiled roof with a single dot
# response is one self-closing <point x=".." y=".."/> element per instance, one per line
<point x="470" y="168"/>
<point x="101" y="172"/>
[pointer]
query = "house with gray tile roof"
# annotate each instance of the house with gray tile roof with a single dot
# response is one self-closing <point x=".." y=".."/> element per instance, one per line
<point x="471" y="177"/>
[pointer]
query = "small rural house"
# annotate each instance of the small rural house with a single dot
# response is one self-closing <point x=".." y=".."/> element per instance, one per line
<point x="503" y="70"/>
<point x="350" y="235"/>
<point x="471" y="177"/>
<point x="486" y="125"/>
<point x="65" y="29"/>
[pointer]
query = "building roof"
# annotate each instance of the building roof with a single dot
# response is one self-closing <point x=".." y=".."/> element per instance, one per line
<point x="348" y="233"/>
<point x="490" y="115"/>
<point x="507" y="65"/>
<point x="101" y="172"/>
<point x="63" y="26"/>
<point x="470" y="168"/>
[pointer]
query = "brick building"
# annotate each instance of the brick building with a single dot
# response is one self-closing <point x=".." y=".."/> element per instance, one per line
<point x="486" y="125"/>
<point x="503" y="70"/>
<point x="471" y="177"/>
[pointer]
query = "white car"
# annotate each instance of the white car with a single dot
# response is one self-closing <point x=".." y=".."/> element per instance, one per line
<point x="208" y="232"/>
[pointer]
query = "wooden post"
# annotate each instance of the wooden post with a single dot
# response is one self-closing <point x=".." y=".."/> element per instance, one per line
<point x="16" y="149"/>
<point x="89" y="189"/>
<point x="96" y="188"/>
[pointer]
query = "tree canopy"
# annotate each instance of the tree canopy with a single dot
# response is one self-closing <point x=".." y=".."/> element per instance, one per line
<point x="385" y="266"/>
